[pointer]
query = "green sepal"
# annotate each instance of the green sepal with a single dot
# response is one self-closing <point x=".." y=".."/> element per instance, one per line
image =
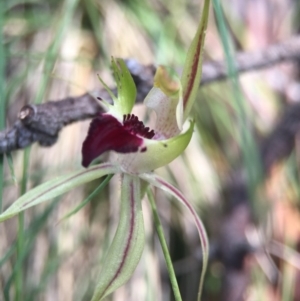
<point x="192" y="70"/>
<point x="128" y="244"/>
<point x="56" y="187"/>
<point x="158" y="153"/>
<point x="126" y="87"/>
<point x="103" y="102"/>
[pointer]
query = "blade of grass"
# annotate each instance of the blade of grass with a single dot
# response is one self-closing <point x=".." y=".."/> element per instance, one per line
<point x="245" y="137"/>
<point x="50" y="269"/>
<point x="66" y="15"/>
<point x="2" y="94"/>
<point x="8" y="254"/>
<point x="20" y="238"/>
<point x="29" y="239"/>
<point x="11" y="168"/>
<point x="94" y="17"/>
<point x="163" y="243"/>
<point x="31" y="232"/>
<point x="64" y="19"/>
<point x="51" y="265"/>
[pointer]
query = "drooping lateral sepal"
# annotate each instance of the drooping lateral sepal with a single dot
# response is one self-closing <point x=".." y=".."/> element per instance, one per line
<point x="126" y="249"/>
<point x="107" y="133"/>
<point x="192" y="70"/>
<point x="56" y="187"/>
<point x="157" y="181"/>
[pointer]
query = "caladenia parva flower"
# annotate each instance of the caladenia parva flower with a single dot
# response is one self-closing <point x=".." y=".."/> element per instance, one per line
<point x="140" y="151"/>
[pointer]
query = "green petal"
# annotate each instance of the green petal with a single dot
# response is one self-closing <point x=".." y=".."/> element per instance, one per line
<point x="56" y="187"/>
<point x="192" y="69"/>
<point x="157" y="181"/>
<point x="124" y="103"/>
<point x="167" y="80"/>
<point x="126" y="249"/>
<point x="126" y="87"/>
<point x="107" y="106"/>
<point x="165" y="99"/>
<point x="157" y="153"/>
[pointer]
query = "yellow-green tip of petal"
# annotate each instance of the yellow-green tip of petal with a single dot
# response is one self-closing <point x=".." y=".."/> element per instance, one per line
<point x="126" y="87"/>
<point x="167" y="80"/>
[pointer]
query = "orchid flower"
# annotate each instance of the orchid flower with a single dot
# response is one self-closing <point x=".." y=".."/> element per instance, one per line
<point x="140" y="151"/>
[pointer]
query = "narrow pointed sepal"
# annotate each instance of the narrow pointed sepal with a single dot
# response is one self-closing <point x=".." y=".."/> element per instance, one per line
<point x="104" y="103"/>
<point x="123" y="104"/>
<point x="56" y="187"/>
<point x="157" y="153"/>
<point x="126" y="87"/>
<point x="126" y="249"/>
<point x="192" y="70"/>
<point x="157" y="181"/>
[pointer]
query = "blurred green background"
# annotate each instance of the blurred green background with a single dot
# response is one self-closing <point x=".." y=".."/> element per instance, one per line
<point x="53" y="49"/>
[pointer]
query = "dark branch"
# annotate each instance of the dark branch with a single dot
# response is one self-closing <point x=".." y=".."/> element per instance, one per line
<point x="42" y="123"/>
<point x="248" y="61"/>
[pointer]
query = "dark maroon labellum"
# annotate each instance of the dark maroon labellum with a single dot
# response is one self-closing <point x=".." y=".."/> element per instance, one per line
<point x="136" y="127"/>
<point x="107" y="133"/>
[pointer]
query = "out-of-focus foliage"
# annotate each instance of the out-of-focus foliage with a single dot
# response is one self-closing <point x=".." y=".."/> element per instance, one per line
<point x="54" y="49"/>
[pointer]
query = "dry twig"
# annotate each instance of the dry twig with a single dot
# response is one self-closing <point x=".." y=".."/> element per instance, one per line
<point x="42" y="123"/>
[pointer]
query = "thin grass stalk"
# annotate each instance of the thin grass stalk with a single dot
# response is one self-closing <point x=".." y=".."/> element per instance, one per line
<point x="245" y="137"/>
<point x="163" y="243"/>
<point x="65" y="18"/>
<point x="288" y="276"/>
<point x="20" y="238"/>
<point x="30" y="233"/>
<point x="29" y="236"/>
<point x="2" y="96"/>
<point x="11" y="251"/>
<point x="95" y="17"/>
<point x="50" y="57"/>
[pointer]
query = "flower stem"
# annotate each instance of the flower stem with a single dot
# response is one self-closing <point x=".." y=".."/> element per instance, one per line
<point x="160" y="232"/>
<point x="20" y="239"/>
